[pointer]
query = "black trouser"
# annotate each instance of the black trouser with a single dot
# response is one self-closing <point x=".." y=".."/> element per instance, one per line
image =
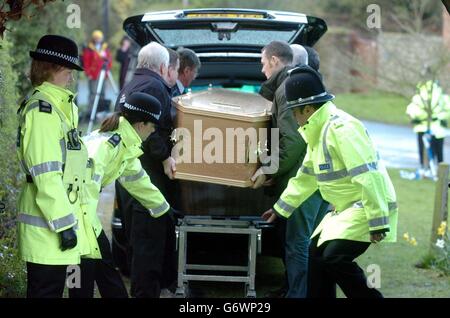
<point x="437" y="147"/>
<point x="333" y="263"/>
<point x="103" y="272"/>
<point x="45" y="281"/>
<point x="154" y="261"/>
<point x="280" y="230"/>
<point x="152" y="240"/>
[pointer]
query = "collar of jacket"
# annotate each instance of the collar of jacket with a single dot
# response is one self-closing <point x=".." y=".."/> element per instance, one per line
<point x="130" y="138"/>
<point x="147" y="72"/>
<point x="180" y="87"/>
<point x="92" y="46"/>
<point x="311" y="130"/>
<point x="60" y="97"/>
<point x="269" y="87"/>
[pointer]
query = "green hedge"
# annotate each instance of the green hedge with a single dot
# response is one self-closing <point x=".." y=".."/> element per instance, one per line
<point x="12" y="269"/>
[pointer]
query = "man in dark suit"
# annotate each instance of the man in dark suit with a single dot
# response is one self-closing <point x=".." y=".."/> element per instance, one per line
<point x="189" y="66"/>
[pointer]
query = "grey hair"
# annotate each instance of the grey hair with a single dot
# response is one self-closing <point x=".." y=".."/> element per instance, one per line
<point x="300" y="55"/>
<point x="152" y="56"/>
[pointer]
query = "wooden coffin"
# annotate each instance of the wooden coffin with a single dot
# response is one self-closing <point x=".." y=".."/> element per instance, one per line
<point x="219" y="135"/>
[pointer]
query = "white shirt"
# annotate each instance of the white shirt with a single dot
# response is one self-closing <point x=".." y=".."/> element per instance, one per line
<point x="180" y="87"/>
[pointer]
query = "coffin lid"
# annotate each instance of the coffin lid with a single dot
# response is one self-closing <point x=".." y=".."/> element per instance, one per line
<point x="223" y="103"/>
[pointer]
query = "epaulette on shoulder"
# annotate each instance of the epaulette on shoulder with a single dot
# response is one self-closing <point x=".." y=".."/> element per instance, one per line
<point x="114" y="140"/>
<point x="45" y="107"/>
<point x="338" y="122"/>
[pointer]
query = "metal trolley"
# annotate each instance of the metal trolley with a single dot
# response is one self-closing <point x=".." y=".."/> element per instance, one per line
<point x="205" y="224"/>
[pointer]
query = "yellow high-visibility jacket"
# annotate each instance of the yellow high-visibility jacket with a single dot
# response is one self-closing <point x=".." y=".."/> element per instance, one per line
<point x="429" y="95"/>
<point x="342" y="163"/>
<point x="50" y="201"/>
<point x="115" y="156"/>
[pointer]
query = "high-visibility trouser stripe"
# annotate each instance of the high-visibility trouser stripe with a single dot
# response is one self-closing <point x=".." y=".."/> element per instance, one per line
<point x="286" y="207"/>
<point x="307" y="171"/>
<point x="97" y="178"/>
<point x="54" y="225"/>
<point x="134" y="177"/>
<point x="46" y="167"/>
<point x="335" y="175"/>
<point x="159" y="210"/>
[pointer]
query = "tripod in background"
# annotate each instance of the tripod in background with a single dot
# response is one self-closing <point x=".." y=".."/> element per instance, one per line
<point x="101" y="81"/>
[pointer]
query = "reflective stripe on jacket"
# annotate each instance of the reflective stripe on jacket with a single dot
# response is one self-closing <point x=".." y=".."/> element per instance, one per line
<point x="51" y="203"/>
<point x="120" y="161"/>
<point x="429" y="94"/>
<point x="343" y="164"/>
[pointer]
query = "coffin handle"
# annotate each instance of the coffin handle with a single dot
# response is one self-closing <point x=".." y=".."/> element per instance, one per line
<point x="259" y="150"/>
<point x="173" y="136"/>
<point x="247" y="151"/>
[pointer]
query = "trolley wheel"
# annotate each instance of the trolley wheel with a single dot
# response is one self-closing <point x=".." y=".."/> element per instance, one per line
<point x="182" y="292"/>
<point x="250" y="293"/>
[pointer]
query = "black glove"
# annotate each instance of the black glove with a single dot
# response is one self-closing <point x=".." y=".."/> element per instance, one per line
<point x="444" y="123"/>
<point x="415" y="121"/>
<point x="175" y="215"/>
<point x="68" y="239"/>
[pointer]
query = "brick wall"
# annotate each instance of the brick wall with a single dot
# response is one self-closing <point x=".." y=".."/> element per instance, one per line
<point x="393" y="62"/>
<point x="403" y="59"/>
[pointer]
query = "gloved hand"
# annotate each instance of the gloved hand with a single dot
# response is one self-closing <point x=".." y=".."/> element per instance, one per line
<point x="68" y="239"/>
<point x="175" y="215"/>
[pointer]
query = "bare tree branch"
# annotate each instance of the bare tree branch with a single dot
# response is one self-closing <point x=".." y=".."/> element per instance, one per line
<point x="17" y="10"/>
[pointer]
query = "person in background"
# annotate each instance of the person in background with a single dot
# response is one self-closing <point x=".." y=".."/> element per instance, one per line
<point x="189" y="67"/>
<point x="53" y="230"/>
<point x="170" y="271"/>
<point x="277" y="59"/>
<point x="300" y="55"/>
<point x="429" y="112"/>
<point x="342" y="163"/>
<point x="114" y="150"/>
<point x="152" y="240"/>
<point x="313" y="58"/>
<point x="95" y="54"/>
<point x="123" y="56"/>
<point x="174" y="65"/>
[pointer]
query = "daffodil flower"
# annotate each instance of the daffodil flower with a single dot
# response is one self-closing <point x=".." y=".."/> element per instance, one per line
<point x="406" y="236"/>
<point x="413" y="241"/>
<point x="442" y="228"/>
